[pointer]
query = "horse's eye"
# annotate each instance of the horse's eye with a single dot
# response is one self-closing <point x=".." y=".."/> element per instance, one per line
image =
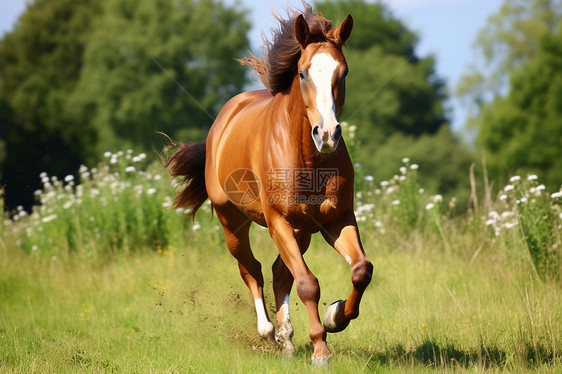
<point x="301" y="74"/>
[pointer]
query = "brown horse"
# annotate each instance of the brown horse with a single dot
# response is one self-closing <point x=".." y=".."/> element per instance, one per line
<point x="276" y="157"/>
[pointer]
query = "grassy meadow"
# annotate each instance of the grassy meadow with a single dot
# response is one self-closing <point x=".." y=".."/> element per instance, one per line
<point x="103" y="276"/>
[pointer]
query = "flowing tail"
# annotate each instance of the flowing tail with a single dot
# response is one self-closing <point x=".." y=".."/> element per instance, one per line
<point x="188" y="163"/>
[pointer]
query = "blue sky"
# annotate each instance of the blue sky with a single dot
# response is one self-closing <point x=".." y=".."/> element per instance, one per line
<point x="447" y="29"/>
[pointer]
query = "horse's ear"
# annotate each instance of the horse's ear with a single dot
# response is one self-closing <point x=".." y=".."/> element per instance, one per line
<point x="343" y="32"/>
<point x="302" y="32"/>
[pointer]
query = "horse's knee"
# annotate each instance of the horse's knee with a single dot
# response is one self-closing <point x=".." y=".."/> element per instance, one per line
<point x="308" y="288"/>
<point x="361" y="274"/>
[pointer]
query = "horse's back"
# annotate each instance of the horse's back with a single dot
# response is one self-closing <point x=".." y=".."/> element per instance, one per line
<point x="231" y="142"/>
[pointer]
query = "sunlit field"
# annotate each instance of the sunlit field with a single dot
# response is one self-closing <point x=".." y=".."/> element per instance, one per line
<point x="105" y="276"/>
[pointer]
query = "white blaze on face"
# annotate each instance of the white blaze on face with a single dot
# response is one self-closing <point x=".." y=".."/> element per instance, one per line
<point x="322" y="67"/>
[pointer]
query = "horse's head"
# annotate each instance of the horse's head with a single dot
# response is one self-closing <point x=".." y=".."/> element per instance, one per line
<point x="322" y="70"/>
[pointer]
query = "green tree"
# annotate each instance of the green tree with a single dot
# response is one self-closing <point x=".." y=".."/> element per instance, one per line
<point x="158" y="65"/>
<point x="41" y="60"/>
<point x="522" y="132"/>
<point x="82" y="77"/>
<point x="396" y="100"/>
<point x="514" y="93"/>
<point x="509" y="39"/>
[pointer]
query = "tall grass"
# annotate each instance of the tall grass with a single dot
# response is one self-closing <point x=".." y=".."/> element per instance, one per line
<point x="121" y="205"/>
<point x="103" y="275"/>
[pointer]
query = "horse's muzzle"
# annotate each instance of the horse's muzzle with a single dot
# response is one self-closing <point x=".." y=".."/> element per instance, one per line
<point x="326" y="140"/>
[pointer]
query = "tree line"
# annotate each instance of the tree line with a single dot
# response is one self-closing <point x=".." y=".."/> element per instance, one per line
<point x="80" y="78"/>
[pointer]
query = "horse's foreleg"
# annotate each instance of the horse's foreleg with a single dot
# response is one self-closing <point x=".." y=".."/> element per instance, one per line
<point x="343" y="235"/>
<point x="307" y="284"/>
<point x="282" y="284"/>
<point x="236" y="230"/>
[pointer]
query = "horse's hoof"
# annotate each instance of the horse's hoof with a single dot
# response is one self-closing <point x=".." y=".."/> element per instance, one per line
<point x="330" y="317"/>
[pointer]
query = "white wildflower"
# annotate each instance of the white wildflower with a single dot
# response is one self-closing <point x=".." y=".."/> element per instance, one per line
<point x="368" y="178"/>
<point x="403" y="169"/>
<point x="396" y="202"/>
<point x="532" y="177"/>
<point x="503" y="197"/>
<point x="43" y="175"/>
<point x="151" y="191"/>
<point x="509" y="187"/>
<point x="385" y="183"/>
<point x="69" y="178"/>
<point x="414" y="166"/>
<point x="67" y="205"/>
<point x="49" y="218"/>
<point x="136" y="159"/>
<point x="515" y="178"/>
<point x="437" y="198"/>
<point x="429" y="206"/>
<point x="196" y="226"/>
<point x="107" y="154"/>
<point x="405" y="160"/>
<point x="130" y="169"/>
<point x="402" y="178"/>
<point x="540" y="187"/>
<point x="556" y="195"/>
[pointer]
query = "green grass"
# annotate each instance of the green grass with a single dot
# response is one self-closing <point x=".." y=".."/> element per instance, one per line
<point x="139" y="289"/>
<point x="180" y="310"/>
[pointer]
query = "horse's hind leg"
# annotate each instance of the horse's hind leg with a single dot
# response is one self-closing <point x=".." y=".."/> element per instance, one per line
<point x="236" y="228"/>
<point x="282" y="284"/>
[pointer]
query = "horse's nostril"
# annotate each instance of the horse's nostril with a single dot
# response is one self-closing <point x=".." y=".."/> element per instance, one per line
<point x="337" y="133"/>
<point x="315" y="131"/>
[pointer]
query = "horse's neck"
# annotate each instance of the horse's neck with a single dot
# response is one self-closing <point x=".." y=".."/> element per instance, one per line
<point x="298" y="128"/>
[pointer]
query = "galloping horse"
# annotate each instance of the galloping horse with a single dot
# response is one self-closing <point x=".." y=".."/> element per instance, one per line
<point x="276" y="157"/>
